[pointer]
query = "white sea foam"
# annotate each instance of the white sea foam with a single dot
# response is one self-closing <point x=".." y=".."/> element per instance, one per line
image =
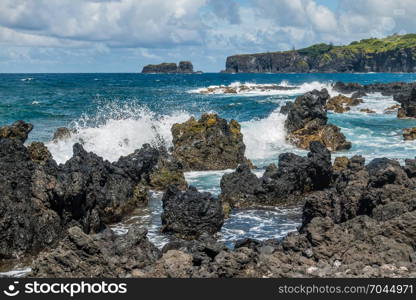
<point x="265" y="138"/>
<point x="376" y="102"/>
<point x="257" y="89"/>
<point x="116" y="131"/>
<point x="260" y="224"/>
<point x="16" y="273"/>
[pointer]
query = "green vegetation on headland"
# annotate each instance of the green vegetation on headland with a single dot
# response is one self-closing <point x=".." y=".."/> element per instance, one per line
<point x="396" y="53"/>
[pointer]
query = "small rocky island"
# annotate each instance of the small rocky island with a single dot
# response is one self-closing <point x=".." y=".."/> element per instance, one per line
<point x="395" y="53"/>
<point x="184" y="67"/>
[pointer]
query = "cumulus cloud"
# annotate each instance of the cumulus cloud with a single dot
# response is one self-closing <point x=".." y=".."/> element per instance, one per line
<point x="127" y="23"/>
<point x="206" y="31"/>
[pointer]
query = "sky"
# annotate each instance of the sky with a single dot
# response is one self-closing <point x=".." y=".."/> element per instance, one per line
<point x="124" y="35"/>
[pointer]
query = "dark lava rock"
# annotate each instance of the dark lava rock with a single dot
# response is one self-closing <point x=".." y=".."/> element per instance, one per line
<point x="27" y="222"/>
<point x="39" y="152"/>
<point x="40" y="199"/>
<point x="19" y="130"/>
<point x="166" y="172"/>
<point x="358" y="95"/>
<point x="97" y="192"/>
<point x="308" y="107"/>
<point x="286" y="108"/>
<point x="209" y="143"/>
<point x="386" y="89"/>
<point x="242" y="189"/>
<point x="307" y="121"/>
<point x="189" y="214"/>
<point x="62" y="133"/>
<point x="99" y="255"/>
<point x="203" y="250"/>
<point x="408" y="104"/>
<point x="384" y="171"/>
<point x="282" y="185"/>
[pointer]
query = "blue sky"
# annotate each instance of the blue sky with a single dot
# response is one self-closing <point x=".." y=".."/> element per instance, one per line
<point x="124" y="35"/>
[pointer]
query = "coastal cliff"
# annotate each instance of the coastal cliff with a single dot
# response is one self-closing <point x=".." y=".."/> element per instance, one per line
<point x="184" y="67"/>
<point x="395" y="53"/>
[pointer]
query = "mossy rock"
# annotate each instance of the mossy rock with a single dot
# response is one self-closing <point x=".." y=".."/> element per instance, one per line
<point x="210" y="143"/>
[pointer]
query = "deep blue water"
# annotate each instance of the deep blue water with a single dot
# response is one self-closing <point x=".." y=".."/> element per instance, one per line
<point x="116" y="113"/>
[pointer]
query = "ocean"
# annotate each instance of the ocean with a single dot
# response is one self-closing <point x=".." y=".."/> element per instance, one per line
<point x="114" y="114"/>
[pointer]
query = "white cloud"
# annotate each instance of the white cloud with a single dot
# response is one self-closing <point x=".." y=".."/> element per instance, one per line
<point x="205" y="31"/>
<point x="126" y="23"/>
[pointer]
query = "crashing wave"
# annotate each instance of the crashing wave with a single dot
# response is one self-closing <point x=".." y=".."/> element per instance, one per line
<point x="117" y="131"/>
<point x="257" y="89"/>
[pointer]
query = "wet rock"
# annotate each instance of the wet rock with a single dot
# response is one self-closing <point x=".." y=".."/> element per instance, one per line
<point x="330" y="135"/>
<point x="386" y="89"/>
<point x="243" y="88"/>
<point x="358" y="95"/>
<point x="306" y="108"/>
<point x="409" y="134"/>
<point x="189" y="214"/>
<point x="286" y="108"/>
<point x="62" y="133"/>
<point x="367" y="110"/>
<point x="341" y="104"/>
<point x="209" y="143"/>
<point x="19" y="130"/>
<point x="408" y="104"/>
<point x="284" y="185"/>
<point x="392" y="109"/>
<point x="307" y="122"/>
<point x="99" y="255"/>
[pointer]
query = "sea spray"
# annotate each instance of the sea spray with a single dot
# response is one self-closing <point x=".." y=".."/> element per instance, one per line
<point x="265" y="139"/>
<point x="116" y="131"/>
<point x="264" y="89"/>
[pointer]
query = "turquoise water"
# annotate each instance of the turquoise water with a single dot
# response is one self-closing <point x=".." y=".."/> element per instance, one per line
<point x="116" y="113"/>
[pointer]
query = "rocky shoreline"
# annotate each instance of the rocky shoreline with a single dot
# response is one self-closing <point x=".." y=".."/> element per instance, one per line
<point x="358" y="219"/>
<point x="391" y="54"/>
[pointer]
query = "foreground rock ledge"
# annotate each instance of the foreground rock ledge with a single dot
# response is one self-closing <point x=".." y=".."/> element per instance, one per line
<point x="41" y="200"/>
<point x="209" y="143"/>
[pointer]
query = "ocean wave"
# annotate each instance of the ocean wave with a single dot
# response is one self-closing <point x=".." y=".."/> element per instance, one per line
<point x="256" y="89"/>
<point x="116" y="131"/>
<point x="375" y="102"/>
<point x="265" y="138"/>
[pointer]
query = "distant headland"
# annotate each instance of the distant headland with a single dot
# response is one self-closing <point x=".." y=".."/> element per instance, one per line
<point x="396" y="53"/>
